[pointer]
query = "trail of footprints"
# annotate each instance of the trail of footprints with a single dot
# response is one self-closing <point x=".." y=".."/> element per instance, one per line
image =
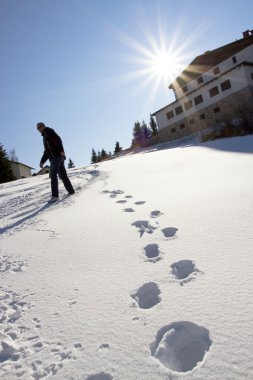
<point x="179" y="346"/>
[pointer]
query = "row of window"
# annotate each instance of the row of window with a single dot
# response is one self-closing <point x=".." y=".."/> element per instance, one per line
<point x="199" y="99"/>
<point x="200" y="79"/>
<point x="193" y="120"/>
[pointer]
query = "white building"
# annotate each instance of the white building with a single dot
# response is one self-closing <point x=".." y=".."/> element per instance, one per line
<point x="44" y="170"/>
<point x="216" y="86"/>
<point x="20" y="170"/>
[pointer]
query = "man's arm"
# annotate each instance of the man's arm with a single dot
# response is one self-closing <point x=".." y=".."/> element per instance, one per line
<point x="43" y="159"/>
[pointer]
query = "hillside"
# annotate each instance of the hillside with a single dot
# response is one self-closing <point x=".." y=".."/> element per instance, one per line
<point x="144" y="274"/>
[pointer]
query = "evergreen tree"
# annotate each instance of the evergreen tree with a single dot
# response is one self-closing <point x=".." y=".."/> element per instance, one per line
<point x="71" y="164"/>
<point x="117" y="148"/>
<point x="99" y="158"/>
<point x="6" y="174"/>
<point x="104" y="155"/>
<point x="136" y="134"/>
<point x="145" y="131"/>
<point x="153" y="125"/>
<point x="94" y="157"/>
<point x="141" y="134"/>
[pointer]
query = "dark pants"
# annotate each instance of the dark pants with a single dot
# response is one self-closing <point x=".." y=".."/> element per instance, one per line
<point x="57" y="167"/>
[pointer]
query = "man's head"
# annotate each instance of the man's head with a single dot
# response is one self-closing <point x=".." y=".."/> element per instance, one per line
<point x="41" y="127"/>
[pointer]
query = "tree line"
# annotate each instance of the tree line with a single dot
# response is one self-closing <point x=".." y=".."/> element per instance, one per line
<point x="102" y="155"/>
<point x="141" y="134"/>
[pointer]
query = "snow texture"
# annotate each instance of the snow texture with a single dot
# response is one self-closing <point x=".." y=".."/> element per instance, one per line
<point x="90" y="286"/>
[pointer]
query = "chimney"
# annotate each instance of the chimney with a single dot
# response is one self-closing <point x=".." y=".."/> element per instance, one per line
<point x="246" y="34"/>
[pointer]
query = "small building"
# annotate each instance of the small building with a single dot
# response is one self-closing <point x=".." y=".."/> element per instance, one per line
<point x="20" y="170"/>
<point x="44" y="170"/>
<point x="216" y="87"/>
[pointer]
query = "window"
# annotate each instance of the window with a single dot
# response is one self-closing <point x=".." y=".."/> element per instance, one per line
<point x="234" y="59"/>
<point x="179" y="110"/>
<point x="200" y="80"/>
<point x="216" y="70"/>
<point x="225" y="85"/>
<point x="192" y="121"/>
<point x="185" y="89"/>
<point x="182" y="126"/>
<point x="170" y="115"/>
<point x="198" y="99"/>
<point x="188" y="105"/>
<point x="173" y="130"/>
<point x="202" y="116"/>
<point x="213" y="91"/>
<point x="216" y="110"/>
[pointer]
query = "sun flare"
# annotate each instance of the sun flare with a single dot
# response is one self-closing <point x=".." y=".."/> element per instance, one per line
<point x="165" y="65"/>
<point x="155" y="57"/>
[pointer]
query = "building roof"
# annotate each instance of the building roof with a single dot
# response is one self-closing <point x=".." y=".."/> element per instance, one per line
<point x="20" y="163"/>
<point x="206" y="61"/>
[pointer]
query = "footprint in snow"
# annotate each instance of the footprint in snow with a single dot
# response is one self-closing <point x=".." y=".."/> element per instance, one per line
<point x="113" y="193"/>
<point x="169" y="232"/>
<point x="9" y="264"/>
<point x="100" y="376"/>
<point x="184" y="271"/>
<point x="104" y="346"/>
<point x="128" y="196"/>
<point x="144" y="226"/>
<point x="8" y="348"/>
<point x="152" y="253"/>
<point x="139" y="203"/>
<point x="121" y="201"/>
<point x="147" y="296"/>
<point x="180" y="346"/>
<point x="155" y="214"/>
<point x="129" y="209"/>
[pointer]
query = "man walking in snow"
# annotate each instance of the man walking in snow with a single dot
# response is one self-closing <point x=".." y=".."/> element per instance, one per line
<point x="54" y="152"/>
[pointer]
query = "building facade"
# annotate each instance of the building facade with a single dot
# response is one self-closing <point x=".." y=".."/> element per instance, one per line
<point x="216" y="87"/>
<point x="20" y="170"/>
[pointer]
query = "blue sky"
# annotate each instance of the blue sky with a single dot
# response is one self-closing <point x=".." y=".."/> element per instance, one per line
<point x="88" y="68"/>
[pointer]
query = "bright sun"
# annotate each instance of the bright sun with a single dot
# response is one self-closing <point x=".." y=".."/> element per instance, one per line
<point x="155" y="59"/>
<point x="164" y="65"/>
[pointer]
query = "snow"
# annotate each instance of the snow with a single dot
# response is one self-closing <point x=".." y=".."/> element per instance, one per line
<point x="144" y="274"/>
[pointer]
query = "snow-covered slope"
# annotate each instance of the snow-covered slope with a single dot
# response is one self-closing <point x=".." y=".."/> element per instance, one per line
<point x="144" y="274"/>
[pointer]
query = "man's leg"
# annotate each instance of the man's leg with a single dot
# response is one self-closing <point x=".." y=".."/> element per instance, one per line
<point x="65" y="179"/>
<point x="55" y="164"/>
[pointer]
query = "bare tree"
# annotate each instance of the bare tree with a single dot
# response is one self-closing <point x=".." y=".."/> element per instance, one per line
<point x="12" y="155"/>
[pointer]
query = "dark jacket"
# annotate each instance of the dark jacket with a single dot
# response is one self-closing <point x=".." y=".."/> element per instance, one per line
<point x="52" y="145"/>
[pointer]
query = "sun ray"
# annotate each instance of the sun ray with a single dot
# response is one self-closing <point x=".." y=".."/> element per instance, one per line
<point x="157" y="53"/>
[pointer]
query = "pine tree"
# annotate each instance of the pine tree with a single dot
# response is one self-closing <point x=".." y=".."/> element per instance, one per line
<point x="153" y="125"/>
<point x="94" y="157"/>
<point x="6" y="174"/>
<point x="104" y="155"/>
<point x="71" y="164"/>
<point x="145" y="131"/>
<point x="117" y="148"/>
<point x="141" y="134"/>
<point x="136" y="134"/>
<point x="99" y="158"/>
